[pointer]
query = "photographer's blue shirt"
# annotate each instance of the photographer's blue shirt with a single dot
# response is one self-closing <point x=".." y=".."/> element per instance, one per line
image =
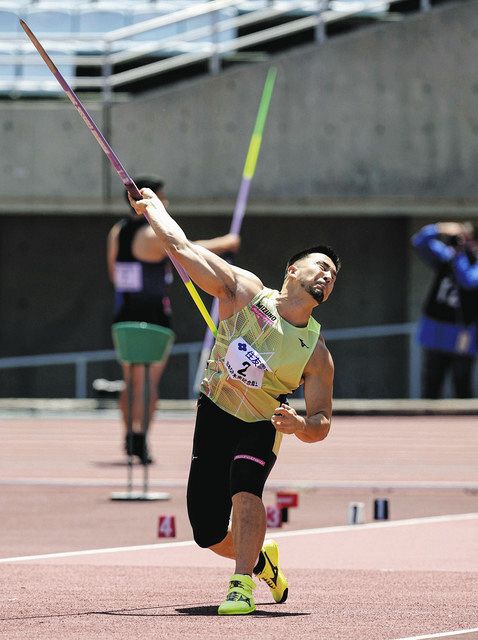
<point x="465" y="272"/>
<point x="451" y="309"/>
<point x="429" y="246"/>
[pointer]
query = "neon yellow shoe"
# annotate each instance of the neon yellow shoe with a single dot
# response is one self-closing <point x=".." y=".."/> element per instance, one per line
<point x="271" y="574"/>
<point x="239" y="597"/>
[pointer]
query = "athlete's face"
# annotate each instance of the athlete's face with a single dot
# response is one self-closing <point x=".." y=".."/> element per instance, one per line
<point x="316" y="274"/>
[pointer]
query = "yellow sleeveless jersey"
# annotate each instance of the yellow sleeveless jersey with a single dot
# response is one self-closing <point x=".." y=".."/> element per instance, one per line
<point x="257" y="357"/>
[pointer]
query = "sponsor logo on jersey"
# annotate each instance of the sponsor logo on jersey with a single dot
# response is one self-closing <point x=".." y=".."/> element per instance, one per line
<point x="263" y="313"/>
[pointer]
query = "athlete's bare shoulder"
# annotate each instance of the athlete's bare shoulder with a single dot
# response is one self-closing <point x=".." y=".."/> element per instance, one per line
<point x="248" y="279"/>
<point x="248" y="285"/>
<point x="321" y="359"/>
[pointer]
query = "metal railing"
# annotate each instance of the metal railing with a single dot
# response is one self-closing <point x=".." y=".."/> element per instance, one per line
<point x="210" y="44"/>
<point x="192" y="350"/>
<point x="81" y="359"/>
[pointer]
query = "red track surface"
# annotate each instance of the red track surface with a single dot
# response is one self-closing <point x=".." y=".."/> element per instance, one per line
<point x="379" y="581"/>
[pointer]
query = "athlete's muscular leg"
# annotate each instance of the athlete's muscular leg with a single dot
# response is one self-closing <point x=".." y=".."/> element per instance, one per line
<point x="243" y="543"/>
<point x="225" y="548"/>
<point x="229" y="467"/>
<point x="248" y="530"/>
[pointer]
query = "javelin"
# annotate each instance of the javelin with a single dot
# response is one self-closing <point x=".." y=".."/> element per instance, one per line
<point x="115" y="162"/>
<point x="241" y="201"/>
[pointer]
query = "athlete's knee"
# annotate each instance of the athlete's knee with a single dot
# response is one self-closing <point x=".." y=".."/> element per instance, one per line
<point x="249" y="474"/>
<point x="209" y="525"/>
<point x="206" y="537"/>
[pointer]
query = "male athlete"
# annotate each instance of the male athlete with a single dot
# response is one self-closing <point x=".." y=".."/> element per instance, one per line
<point x="266" y="346"/>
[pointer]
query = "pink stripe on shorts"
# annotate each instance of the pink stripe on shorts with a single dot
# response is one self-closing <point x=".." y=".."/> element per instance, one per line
<point x="243" y="456"/>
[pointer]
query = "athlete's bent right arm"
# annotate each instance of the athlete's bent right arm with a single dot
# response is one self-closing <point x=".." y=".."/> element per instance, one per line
<point x="318" y="386"/>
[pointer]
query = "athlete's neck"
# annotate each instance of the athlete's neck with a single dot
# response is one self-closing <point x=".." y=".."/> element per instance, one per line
<point x="293" y="308"/>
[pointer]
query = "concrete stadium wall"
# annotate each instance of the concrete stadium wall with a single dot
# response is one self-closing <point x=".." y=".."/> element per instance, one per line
<point x="388" y="110"/>
<point x="391" y="110"/>
<point x="49" y="157"/>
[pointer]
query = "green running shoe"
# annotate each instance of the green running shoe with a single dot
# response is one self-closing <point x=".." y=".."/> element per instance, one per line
<point x="271" y="574"/>
<point x="239" y="597"/>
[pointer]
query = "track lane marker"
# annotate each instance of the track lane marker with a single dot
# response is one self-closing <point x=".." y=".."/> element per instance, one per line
<point x="279" y="534"/>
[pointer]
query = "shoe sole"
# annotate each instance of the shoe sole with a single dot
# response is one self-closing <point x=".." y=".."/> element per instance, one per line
<point x="235" y="613"/>
<point x="284" y="596"/>
<point x="286" y="590"/>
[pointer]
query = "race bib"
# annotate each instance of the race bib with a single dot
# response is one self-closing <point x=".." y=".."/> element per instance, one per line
<point x="244" y="364"/>
<point x="128" y="277"/>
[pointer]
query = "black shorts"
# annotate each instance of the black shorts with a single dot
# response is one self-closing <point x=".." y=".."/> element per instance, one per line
<point x="149" y="311"/>
<point x="229" y="456"/>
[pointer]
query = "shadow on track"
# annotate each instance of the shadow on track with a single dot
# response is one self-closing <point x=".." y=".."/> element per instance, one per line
<point x="212" y="611"/>
<point x="104" y="464"/>
<point x="155" y="611"/>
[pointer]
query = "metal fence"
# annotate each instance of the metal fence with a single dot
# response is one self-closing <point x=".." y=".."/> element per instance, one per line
<point x="81" y="360"/>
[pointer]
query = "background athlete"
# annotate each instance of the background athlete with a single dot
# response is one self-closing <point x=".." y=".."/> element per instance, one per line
<point x="141" y="274"/>
<point x="267" y="345"/>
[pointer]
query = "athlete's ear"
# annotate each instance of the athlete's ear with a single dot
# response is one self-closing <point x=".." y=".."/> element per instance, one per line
<point x="291" y="270"/>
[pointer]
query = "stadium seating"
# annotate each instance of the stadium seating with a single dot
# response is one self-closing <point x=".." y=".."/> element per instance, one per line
<point x="36" y="79"/>
<point x="7" y="72"/>
<point x="208" y="20"/>
<point x="143" y="14"/>
<point x="8" y="21"/>
<point x="78" y="27"/>
<point x="49" y="21"/>
<point x="101" y="20"/>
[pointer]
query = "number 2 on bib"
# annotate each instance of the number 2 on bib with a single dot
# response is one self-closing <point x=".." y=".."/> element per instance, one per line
<point x="244" y="364"/>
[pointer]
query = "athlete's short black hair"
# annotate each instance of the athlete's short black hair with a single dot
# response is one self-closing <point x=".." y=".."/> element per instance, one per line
<point x="321" y="248"/>
<point x="155" y="184"/>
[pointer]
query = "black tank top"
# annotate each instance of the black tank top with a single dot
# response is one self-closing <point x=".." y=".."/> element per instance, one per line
<point x="141" y="287"/>
<point x="448" y="302"/>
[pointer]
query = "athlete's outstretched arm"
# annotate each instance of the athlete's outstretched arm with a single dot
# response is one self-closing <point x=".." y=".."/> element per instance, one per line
<point x="210" y="272"/>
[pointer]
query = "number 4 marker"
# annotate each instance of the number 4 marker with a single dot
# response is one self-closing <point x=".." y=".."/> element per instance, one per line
<point x="166" y="527"/>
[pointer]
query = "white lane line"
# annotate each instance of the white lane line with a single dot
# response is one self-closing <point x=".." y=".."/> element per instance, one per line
<point x="107" y="415"/>
<point x="279" y="534"/>
<point x="383" y="485"/>
<point x="86" y="482"/>
<point x="445" y="634"/>
<point x="92" y="552"/>
<point x="379" y="525"/>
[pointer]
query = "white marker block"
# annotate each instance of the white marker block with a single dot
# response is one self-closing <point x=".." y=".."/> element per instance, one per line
<point x="355" y="513"/>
